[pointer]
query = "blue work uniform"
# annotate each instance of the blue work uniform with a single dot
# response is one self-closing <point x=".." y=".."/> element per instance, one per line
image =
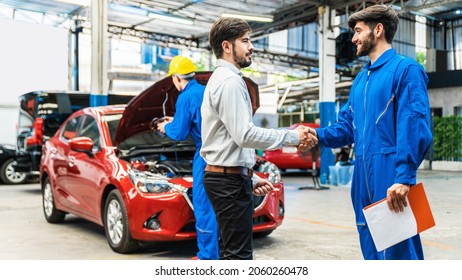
<point x="387" y="116"/>
<point x="187" y="121"/>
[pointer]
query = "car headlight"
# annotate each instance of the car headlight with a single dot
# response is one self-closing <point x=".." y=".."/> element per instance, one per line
<point x="148" y="184"/>
<point x="274" y="174"/>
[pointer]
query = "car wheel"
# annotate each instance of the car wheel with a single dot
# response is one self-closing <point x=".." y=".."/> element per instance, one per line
<point x="9" y="176"/>
<point x="116" y="225"/>
<point x="262" y="234"/>
<point x="52" y="215"/>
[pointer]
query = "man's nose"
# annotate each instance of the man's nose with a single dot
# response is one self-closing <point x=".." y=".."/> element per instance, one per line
<point x="354" y="39"/>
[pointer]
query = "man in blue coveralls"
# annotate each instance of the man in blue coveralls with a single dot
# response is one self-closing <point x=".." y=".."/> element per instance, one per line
<point x="187" y="121"/>
<point x="387" y="116"/>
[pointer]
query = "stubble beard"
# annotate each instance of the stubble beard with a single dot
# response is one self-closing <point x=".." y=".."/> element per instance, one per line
<point x="242" y="61"/>
<point x="367" y="46"/>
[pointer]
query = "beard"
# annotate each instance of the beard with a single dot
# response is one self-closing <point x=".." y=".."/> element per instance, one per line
<point x="367" y="46"/>
<point x="241" y="60"/>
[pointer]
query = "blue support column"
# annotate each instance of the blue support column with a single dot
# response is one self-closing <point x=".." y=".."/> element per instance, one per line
<point x="328" y="115"/>
<point x="98" y="100"/>
<point x="327" y="105"/>
<point x="99" y="54"/>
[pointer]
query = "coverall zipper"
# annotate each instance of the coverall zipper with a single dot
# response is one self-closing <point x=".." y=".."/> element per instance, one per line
<point x="364" y="133"/>
<point x="386" y="109"/>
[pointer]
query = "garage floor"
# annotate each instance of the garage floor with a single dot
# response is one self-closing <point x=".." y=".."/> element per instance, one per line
<point x="319" y="225"/>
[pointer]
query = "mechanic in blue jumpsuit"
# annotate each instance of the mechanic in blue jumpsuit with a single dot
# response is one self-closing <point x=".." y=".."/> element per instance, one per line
<point x="187" y="121"/>
<point x="387" y="116"/>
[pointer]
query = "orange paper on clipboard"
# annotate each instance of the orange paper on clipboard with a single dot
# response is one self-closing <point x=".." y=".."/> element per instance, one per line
<point x="389" y="228"/>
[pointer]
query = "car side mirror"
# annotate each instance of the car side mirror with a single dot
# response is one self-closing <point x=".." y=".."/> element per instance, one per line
<point x="82" y="144"/>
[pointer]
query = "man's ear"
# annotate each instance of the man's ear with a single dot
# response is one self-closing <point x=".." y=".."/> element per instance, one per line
<point x="226" y="45"/>
<point x="379" y="30"/>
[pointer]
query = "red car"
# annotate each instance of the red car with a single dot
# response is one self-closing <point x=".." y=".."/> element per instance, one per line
<point x="106" y="165"/>
<point x="290" y="158"/>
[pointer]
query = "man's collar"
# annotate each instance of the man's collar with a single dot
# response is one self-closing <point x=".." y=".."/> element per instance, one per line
<point x="224" y="63"/>
<point x="382" y="59"/>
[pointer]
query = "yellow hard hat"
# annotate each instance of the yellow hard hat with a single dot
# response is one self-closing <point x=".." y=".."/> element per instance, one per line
<point x="181" y="65"/>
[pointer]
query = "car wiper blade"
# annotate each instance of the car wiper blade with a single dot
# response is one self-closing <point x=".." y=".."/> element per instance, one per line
<point x="151" y="146"/>
<point x="185" y="144"/>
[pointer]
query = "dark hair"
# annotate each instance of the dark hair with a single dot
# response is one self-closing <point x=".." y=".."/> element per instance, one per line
<point x="226" y="29"/>
<point x="373" y="15"/>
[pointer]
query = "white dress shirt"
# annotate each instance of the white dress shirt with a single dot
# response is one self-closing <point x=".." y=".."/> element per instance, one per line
<point x="229" y="136"/>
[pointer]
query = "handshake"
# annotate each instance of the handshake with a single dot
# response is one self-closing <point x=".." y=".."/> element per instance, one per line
<point x="308" y="138"/>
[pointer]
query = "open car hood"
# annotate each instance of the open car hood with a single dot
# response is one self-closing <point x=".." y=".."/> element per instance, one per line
<point x="140" y="111"/>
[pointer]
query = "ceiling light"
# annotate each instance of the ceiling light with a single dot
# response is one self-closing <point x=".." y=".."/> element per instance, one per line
<point x="76" y="2"/>
<point x="127" y="9"/>
<point x="249" y="17"/>
<point x="171" y="18"/>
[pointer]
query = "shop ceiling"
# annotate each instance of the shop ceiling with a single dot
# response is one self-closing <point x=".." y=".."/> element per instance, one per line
<point x="152" y="20"/>
<point x="198" y="15"/>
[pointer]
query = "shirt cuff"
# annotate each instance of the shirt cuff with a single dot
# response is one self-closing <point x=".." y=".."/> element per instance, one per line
<point x="294" y="138"/>
<point x="255" y="179"/>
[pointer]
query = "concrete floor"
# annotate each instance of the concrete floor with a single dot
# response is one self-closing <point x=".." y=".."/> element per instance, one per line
<point x="319" y="225"/>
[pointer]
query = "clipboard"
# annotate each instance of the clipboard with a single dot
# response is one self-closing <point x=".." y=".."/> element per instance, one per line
<point x="389" y="228"/>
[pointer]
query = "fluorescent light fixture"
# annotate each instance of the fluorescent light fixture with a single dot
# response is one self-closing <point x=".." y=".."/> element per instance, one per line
<point x="249" y="17"/>
<point x="127" y="9"/>
<point x="76" y="2"/>
<point x="171" y="18"/>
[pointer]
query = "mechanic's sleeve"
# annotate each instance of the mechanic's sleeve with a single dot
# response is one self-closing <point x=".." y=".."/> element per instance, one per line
<point x="340" y="133"/>
<point x="179" y="128"/>
<point x="413" y="128"/>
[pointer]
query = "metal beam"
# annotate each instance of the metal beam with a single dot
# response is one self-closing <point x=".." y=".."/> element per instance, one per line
<point x="427" y="6"/>
<point x="155" y="37"/>
<point x="285" y="58"/>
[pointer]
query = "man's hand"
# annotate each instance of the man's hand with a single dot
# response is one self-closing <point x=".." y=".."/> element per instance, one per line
<point x="262" y="187"/>
<point x="308" y="138"/>
<point x="161" y="125"/>
<point x="396" y="197"/>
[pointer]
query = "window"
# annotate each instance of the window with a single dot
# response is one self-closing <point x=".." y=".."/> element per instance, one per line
<point x="70" y="128"/>
<point x="436" y="112"/>
<point x="90" y="129"/>
<point x="458" y="111"/>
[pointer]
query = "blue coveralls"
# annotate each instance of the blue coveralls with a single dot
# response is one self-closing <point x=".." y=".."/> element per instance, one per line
<point x="187" y="121"/>
<point x="387" y="116"/>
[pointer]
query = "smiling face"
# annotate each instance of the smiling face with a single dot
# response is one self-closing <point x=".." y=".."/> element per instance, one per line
<point x="363" y="39"/>
<point x="242" y="51"/>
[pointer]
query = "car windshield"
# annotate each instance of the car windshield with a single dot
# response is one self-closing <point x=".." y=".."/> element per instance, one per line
<point x="148" y="139"/>
<point x="112" y="124"/>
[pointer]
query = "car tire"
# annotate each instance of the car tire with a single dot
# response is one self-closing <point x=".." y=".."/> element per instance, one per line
<point x="9" y="176"/>
<point x="262" y="234"/>
<point x="116" y="225"/>
<point x="52" y="215"/>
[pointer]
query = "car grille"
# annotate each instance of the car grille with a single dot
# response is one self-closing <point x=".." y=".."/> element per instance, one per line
<point x="258" y="201"/>
<point x="260" y="220"/>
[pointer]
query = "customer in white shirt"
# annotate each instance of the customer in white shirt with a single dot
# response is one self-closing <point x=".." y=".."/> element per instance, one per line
<point x="229" y="139"/>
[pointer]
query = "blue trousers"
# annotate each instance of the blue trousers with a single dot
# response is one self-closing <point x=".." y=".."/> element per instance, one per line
<point x="409" y="249"/>
<point x="206" y="223"/>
